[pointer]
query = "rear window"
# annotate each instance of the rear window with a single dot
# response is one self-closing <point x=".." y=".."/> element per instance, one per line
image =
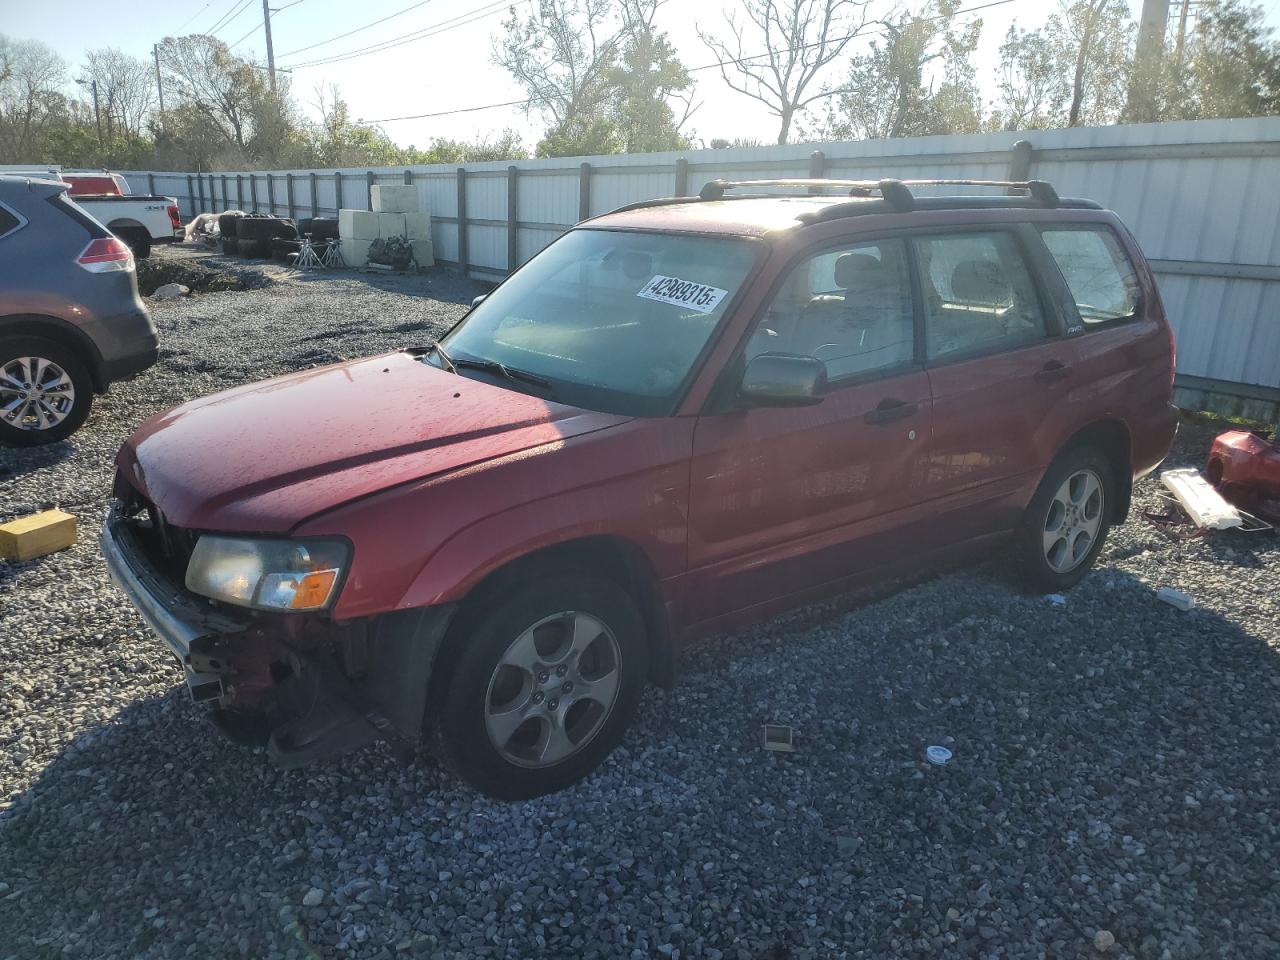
<point x="8" y="221"/>
<point x="1101" y="278"/>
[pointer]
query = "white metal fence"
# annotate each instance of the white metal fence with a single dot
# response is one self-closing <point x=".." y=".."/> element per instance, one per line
<point x="1201" y="196"/>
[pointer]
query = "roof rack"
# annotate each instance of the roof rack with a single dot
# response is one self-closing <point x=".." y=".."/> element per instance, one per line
<point x="896" y="193"/>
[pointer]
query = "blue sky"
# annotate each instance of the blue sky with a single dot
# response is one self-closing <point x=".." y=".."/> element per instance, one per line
<point x="445" y="71"/>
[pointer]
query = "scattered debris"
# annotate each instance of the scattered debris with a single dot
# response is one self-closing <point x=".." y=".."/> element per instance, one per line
<point x="171" y="291"/>
<point x="37" y="535"/>
<point x="1245" y="468"/>
<point x="1176" y="598"/>
<point x="1056" y="599"/>
<point x="778" y="737"/>
<point x="1203" y="504"/>
<point x="1103" y="941"/>
<point x="938" y="756"/>
<point x="200" y="276"/>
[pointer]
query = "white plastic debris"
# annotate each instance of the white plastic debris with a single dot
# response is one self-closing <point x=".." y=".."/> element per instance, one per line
<point x="1176" y="598"/>
<point x="1204" y="505"/>
<point x="171" y="291"/>
<point x="1057" y="599"/>
<point x="938" y="756"/>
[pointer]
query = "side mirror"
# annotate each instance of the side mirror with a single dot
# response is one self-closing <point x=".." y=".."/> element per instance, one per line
<point x="478" y="300"/>
<point x="779" y="380"/>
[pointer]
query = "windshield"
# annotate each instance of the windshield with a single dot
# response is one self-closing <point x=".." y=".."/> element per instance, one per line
<point x="611" y="320"/>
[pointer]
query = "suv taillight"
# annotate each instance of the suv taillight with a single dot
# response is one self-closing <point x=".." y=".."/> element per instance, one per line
<point x="104" y="255"/>
<point x="174" y="217"/>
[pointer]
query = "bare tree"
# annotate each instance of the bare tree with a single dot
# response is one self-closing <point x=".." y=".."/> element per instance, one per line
<point x="126" y="90"/>
<point x="32" y="105"/>
<point x="801" y="37"/>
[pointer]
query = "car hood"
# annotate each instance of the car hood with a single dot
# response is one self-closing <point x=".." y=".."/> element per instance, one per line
<point x="267" y="456"/>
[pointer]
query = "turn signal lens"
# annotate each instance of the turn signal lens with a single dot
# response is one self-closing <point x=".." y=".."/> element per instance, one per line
<point x="267" y="574"/>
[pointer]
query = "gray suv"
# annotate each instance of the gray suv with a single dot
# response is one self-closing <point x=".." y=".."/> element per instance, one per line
<point x="71" y="321"/>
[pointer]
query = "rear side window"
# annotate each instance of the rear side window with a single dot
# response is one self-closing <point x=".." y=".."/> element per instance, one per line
<point x="1101" y="278"/>
<point x="8" y="222"/>
<point x="979" y="295"/>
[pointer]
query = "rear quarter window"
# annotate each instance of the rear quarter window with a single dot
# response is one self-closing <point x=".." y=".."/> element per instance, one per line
<point x="1099" y="274"/>
<point x="8" y="222"/>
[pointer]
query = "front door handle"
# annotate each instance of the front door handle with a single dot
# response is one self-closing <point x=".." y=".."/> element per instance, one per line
<point x="889" y="409"/>
<point x="1051" y="371"/>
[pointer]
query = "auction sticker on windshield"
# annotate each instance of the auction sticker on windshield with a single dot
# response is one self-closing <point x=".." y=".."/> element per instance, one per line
<point x="682" y="293"/>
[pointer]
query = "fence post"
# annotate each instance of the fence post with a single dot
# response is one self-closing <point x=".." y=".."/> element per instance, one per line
<point x="408" y="178"/>
<point x="151" y="184"/>
<point x="513" y="218"/>
<point x="240" y="190"/>
<point x="337" y="191"/>
<point x="462" y="220"/>
<point x="271" y="194"/>
<point x="315" y="209"/>
<point x="253" y="192"/>
<point x="1019" y="164"/>
<point x="226" y="194"/>
<point x="288" y="193"/>
<point x="191" y="194"/>
<point x="369" y="177"/>
<point x="584" y="191"/>
<point x="682" y="177"/>
<point x="817" y="168"/>
<point x="200" y="187"/>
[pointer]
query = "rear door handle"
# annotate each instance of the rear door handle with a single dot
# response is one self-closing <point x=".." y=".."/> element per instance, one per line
<point x="1051" y="371"/>
<point x="889" y="410"/>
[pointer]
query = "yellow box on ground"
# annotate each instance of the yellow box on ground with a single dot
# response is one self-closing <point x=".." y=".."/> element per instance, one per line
<point x="37" y="535"/>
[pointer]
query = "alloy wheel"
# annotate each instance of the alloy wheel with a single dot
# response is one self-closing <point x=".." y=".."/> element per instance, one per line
<point x="553" y="690"/>
<point x="35" y="394"/>
<point x="1073" y="521"/>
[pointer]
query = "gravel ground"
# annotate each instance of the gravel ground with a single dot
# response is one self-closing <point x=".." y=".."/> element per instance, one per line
<point x="1114" y="774"/>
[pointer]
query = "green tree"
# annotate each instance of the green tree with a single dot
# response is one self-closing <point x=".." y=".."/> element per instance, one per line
<point x="33" y="107"/>
<point x="918" y="81"/>
<point x="1230" y="66"/>
<point x="647" y="79"/>
<point x="1033" y="91"/>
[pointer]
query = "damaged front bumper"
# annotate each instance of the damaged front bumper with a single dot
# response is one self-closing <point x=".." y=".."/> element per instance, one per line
<point x="321" y="689"/>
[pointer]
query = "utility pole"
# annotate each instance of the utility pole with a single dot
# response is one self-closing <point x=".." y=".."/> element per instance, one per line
<point x="155" y="52"/>
<point x="97" y="114"/>
<point x="271" y="57"/>
<point x="1148" y="52"/>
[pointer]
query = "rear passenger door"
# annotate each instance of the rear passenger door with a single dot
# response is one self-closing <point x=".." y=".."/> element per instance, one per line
<point x="999" y="368"/>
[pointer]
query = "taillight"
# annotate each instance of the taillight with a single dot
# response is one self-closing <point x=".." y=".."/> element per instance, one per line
<point x="105" y="255"/>
<point x="174" y="217"/>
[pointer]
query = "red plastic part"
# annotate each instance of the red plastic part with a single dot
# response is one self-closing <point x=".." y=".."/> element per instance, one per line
<point x="1245" y="468"/>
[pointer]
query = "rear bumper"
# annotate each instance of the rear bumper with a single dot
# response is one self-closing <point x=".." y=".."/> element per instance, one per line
<point x="127" y="342"/>
<point x="122" y="368"/>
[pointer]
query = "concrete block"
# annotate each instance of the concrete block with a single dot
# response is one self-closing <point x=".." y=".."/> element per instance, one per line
<point x="356" y="252"/>
<point x="424" y="253"/>
<point x="417" y="226"/>
<point x="395" y="198"/>
<point x="390" y="225"/>
<point x="36" y="535"/>
<point x="357" y="225"/>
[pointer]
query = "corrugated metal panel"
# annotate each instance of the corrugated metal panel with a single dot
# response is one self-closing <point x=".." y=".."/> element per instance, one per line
<point x="1199" y="193"/>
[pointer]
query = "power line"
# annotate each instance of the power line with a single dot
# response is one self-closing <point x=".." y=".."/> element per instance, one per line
<point x="708" y="66"/>
<point x="214" y="31"/>
<point x="217" y="23"/>
<point x="461" y="20"/>
<point x="392" y="16"/>
<point x="262" y="23"/>
<point x="185" y="23"/>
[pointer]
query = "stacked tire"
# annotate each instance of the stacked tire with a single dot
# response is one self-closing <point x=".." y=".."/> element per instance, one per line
<point x="257" y="234"/>
<point x="228" y="225"/>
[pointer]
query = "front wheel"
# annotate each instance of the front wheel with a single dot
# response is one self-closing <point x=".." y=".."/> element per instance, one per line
<point x="541" y="688"/>
<point x="45" y="391"/>
<point x="1067" y="521"/>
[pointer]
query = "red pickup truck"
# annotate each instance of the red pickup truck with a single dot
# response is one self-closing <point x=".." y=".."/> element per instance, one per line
<point x="678" y="418"/>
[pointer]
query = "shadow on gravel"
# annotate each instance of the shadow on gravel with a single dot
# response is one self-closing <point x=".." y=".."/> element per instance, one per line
<point x="1114" y="768"/>
<point x="19" y="461"/>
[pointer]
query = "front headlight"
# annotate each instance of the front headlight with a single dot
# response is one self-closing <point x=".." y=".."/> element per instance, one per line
<point x="268" y="574"/>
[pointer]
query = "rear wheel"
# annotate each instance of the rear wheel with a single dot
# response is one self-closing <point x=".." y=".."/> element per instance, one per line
<point x="137" y="239"/>
<point x="540" y="688"/>
<point x="1067" y="521"/>
<point x="45" y="391"/>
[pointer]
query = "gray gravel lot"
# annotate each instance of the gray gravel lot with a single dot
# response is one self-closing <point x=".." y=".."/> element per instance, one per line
<point x="1115" y="761"/>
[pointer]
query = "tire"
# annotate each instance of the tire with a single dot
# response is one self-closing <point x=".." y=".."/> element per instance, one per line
<point x="471" y="679"/>
<point x="70" y="405"/>
<point x="1075" y="500"/>
<point x="227" y="224"/>
<point x="320" y="228"/>
<point x="137" y="239"/>
<point x="230" y="246"/>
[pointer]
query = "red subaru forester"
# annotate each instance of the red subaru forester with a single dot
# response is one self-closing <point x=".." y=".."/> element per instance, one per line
<point x="678" y="418"/>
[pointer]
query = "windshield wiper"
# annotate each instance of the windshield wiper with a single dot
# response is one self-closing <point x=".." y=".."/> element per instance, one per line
<point x="489" y="366"/>
<point x="446" y="361"/>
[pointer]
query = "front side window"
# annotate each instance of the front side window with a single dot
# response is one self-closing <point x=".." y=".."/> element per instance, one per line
<point x="612" y="320"/>
<point x="979" y="295"/>
<point x="849" y="307"/>
<point x="1101" y="278"/>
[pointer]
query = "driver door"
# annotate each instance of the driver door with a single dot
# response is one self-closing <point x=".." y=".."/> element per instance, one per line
<point x="787" y="500"/>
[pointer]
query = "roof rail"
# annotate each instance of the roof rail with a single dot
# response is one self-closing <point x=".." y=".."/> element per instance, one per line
<point x="896" y="193"/>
